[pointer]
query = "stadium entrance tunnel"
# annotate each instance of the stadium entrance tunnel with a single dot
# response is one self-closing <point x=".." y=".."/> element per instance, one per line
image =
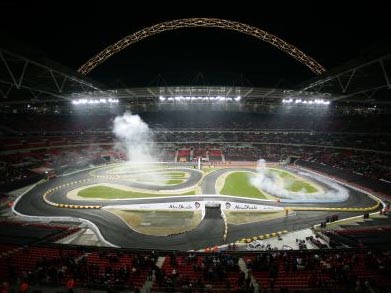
<point x="215" y="219"/>
<point x="212" y="206"/>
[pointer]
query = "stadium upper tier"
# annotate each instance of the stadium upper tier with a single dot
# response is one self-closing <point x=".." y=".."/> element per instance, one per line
<point x="358" y="141"/>
<point x="198" y="120"/>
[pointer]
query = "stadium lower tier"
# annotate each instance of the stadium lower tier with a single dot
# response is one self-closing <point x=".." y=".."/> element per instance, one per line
<point x="120" y="270"/>
<point x="24" y="159"/>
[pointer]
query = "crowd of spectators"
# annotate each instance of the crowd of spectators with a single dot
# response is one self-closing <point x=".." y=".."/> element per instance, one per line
<point x="121" y="269"/>
<point x="111" y="270"/>
<point x="94" y="121"/>
<point x="378" y="142"/>
<point x="199" y="273"/>
<point x="10" y="174"/>
<point x="60" y="141"/>
<point x="349" y="270"/>
<point x="369" y="164"/>
<point x="17" y="166"/>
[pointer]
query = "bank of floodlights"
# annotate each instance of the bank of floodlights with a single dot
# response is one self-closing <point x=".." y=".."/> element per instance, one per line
<point x="199" y="99"/>
<point x="305" y="102"/>
<point x="94" y="101"/>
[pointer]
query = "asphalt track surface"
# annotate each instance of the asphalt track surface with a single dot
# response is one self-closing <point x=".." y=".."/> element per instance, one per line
<point x="208" y="233"/>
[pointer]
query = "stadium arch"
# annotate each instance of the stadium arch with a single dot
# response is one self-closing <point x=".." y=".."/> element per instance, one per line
<point x="258" y="33"/>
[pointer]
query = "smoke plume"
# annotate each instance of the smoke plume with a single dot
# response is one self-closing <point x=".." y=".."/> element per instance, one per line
<point x="272" y="184"/>
<point x="137" y="138"/>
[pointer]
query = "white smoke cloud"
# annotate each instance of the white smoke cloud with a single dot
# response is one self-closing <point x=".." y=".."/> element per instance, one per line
<point x="137" y="139"/>
<point x="271" y="184"/>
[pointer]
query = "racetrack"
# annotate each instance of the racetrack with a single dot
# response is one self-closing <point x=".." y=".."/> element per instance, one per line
<point x="208" y="233"/>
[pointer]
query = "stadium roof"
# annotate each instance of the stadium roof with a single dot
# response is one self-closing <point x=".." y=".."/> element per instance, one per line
<point x="364" y="80"/>
<point x="24" y="78"/>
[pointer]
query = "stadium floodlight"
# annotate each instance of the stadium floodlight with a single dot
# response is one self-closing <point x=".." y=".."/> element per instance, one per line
<point x="199" y="98"/>
<point x="306" y="101"/>
<point x="84" y="101"/>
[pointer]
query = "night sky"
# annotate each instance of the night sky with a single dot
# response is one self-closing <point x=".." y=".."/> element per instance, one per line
<point x="70" y="33"/>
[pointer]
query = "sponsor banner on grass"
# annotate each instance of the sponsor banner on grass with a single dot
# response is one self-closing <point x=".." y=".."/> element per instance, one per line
<point x="197" y="205"/>
<point x="187" y="205"/>
<point x="237" y="206"/>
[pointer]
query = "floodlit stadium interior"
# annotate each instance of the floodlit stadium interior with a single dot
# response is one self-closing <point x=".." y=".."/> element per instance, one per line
<point x="195" y="186"/>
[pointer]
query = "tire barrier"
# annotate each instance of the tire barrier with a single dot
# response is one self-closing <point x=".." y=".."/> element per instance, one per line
<point x="72" y="206"/>
<point x="374" y="207"/>
<point x="262" y="237"/>
<point x="67" y="206"/>
<point x="107" y="177"/>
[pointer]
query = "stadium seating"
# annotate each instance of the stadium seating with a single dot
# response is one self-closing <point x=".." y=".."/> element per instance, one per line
<point x="100" y="268"/>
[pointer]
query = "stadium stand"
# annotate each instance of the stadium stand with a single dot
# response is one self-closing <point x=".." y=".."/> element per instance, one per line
<point x="121" y="269"/>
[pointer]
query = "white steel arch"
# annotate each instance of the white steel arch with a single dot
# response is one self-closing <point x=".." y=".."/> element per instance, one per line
<point x="258" y="33"/>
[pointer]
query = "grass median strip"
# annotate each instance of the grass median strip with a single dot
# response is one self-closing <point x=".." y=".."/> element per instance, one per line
<point x="294" y="183"/>
<point x="242" y="217"/>
<point x="105" y="192"/>
<point x="238" y="184"/>
<point x="160" y="222"/>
